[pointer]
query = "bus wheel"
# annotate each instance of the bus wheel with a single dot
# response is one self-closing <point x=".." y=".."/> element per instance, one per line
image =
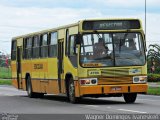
<point x="71" y="91"/>
<point x="29" y="88"/>
<point x="130" y="97"/>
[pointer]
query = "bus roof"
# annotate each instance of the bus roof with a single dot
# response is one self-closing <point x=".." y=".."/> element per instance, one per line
<point x="44" y="31"/>
<point x="71" y="25"/>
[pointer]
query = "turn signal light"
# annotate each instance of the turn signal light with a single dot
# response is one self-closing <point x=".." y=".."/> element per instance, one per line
<point x="89" y="81"/>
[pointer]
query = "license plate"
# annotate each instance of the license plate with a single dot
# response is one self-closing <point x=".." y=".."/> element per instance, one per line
<point x="116" y="88"/>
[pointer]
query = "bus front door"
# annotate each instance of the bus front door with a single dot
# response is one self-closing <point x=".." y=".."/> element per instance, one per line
<point x="60" y="63"/>
<point x="19" y="78"/>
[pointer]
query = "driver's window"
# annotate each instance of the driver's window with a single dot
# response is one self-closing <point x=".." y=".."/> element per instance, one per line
<point x="87" y="47"/>
<point x="108" y="42"/>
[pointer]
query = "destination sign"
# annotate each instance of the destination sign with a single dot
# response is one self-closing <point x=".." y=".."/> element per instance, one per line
<point x="111" y="25"/>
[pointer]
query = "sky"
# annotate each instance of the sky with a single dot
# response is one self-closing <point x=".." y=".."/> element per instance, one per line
<point x="18" y="17"/>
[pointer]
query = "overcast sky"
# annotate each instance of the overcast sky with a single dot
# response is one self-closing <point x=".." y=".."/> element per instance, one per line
<point x="19" y="17"/>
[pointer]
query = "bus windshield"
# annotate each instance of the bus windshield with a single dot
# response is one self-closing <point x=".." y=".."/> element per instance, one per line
<point x="112" y="49"/>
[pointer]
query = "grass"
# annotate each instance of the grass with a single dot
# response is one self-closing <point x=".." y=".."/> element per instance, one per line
<point x="5" y="82"/>
<point x="5" y="72"/>
<point x="154" y="91"/>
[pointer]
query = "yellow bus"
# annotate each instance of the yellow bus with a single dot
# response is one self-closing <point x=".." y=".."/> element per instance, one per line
<point x="90" y="58"/>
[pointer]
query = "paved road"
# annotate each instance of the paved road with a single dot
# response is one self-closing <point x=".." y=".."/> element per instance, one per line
<point x="14" y="101"/>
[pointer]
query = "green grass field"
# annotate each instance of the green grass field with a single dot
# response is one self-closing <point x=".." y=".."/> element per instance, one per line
<point x="154" y="91"/>
<point x="5" y="72"/>
<point x="5" y="82"/>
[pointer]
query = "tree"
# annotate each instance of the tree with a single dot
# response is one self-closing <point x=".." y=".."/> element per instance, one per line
<point x="153" y="56"/>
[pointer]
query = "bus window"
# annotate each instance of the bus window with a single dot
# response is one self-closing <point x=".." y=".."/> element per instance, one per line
<point x="67" y="39"/>
<point x="71" y="50"/>
<point x="28" y="48"/>
<point x="13" y="55"/>
<point x="44" y="46"/>
<point x="71" y="45"/>
<point x="53" y="45"/>
<point x="36" y="42"/>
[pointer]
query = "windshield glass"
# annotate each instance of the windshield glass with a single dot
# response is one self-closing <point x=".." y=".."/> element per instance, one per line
<point x="112" y="49"/>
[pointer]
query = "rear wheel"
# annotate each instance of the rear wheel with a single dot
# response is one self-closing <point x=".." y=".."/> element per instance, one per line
<point x="29" y="88"/>
<point x="71" y="92"/>
<point x="130" y="97"/>
<point x="30" y="92"/>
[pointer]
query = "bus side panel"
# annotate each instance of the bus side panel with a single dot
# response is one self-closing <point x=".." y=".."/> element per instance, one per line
<point x="14" y="74"/>
<point x="26" y="69"/>
<point x="36" y="85"/>
<point x="35" y="68"/>
<point x="44" y="76"/>
<point x="53" y="87"/>
<point x="39" y="75"/>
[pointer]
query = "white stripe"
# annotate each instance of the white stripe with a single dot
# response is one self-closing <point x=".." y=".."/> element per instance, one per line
<point x="92" y="105"/>
<point x="6" y="95"/>
<point x="148" y="99"/>
<point x="131" y="111"/>
<point x="7" y="88"/>
<point x="149" y="96"/>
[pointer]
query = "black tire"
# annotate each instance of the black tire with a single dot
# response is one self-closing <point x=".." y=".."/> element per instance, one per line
<point x="30" y="92"/>
<point x="130" y="97"/>
<point x="29" y="88"/>
<point x="71" y="92"/>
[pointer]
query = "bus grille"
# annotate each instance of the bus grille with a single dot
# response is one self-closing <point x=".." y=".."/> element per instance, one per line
<point x="117" y="72"/>
<point x="115" y="80"/>
<point x="116" y="76"/>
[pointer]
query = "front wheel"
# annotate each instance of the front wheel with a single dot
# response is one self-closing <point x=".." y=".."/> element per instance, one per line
<point x="71" y="92"/>
<point x="130" y="97"/>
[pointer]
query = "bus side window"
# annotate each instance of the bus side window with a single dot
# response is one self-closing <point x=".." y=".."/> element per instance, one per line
<point x="53" y="44"/>
<point x="24" y="51"/>
<point x="71" y="51"/>
<point x="67" y="42"/>
<point x="44" y="46"/>
<point x="28" y="48"/>
<point x="71" y="45"/>
<point x="36" y="42"/>
<point x="13" y="50"/>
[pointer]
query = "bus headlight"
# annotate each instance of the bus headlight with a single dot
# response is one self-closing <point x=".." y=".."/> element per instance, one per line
<point x="89" y="81"/>
<point x="139" y="79"/>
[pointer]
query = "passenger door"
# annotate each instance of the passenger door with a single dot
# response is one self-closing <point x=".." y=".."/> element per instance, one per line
<point x="19" y="75"/>
<point x="60" y="62"/>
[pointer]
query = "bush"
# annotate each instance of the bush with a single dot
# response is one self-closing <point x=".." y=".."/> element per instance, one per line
<point x="153" y="77"/>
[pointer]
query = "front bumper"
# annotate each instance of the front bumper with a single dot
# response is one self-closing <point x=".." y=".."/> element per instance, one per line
<point x="111" y="89"/>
